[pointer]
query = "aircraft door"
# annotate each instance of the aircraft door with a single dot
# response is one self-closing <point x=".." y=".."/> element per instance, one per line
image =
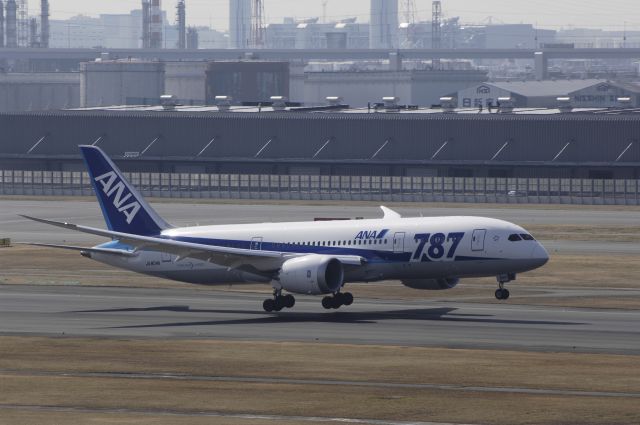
<point x="398" y="242"/>
<point x="256" y="244"/>
<point x="477" y="241"/>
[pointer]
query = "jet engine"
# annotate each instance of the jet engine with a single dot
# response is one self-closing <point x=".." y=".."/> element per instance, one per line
<point x="312" y="274"/>
<point x="431" y="284"/>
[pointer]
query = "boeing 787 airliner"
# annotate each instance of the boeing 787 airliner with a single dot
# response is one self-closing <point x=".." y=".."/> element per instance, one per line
<point x="315" y="258"/>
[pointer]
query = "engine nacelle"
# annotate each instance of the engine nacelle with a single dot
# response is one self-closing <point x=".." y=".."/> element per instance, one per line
<point x="431" y="284"/>
<point x="312" y="275"/>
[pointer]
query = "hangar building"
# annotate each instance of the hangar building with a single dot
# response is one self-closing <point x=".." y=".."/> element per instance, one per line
<point x="594" y="143"/>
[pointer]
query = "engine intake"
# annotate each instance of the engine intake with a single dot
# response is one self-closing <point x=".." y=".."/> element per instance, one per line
<point x="431" y="284"/>
<point x="312" y="275"/>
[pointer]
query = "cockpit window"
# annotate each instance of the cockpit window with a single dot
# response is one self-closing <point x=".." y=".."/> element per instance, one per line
<point x="515" y="238"/>
<point x="527" y="237"/>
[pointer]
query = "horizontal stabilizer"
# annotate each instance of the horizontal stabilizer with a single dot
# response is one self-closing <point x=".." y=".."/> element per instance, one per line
<point x="119" y="252"/>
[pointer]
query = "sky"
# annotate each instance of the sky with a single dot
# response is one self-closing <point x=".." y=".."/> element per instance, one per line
<point x="554" y="14"/>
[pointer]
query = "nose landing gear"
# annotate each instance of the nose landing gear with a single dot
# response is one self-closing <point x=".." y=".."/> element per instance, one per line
<point x="502" y="293"/>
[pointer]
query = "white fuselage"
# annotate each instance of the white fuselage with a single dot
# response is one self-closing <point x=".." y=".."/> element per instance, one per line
<point x="394" y="248"/>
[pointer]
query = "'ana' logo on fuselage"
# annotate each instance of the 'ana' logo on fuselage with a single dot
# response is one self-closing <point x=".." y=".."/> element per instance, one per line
<point x="371" y="234"/>
<point x="112" y="186"/>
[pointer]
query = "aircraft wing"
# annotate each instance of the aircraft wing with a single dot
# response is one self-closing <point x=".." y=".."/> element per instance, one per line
<point x="235" y="258"/>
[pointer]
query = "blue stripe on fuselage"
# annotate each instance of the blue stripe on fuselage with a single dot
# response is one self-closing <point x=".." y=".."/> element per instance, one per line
<point x="372" y="256"/>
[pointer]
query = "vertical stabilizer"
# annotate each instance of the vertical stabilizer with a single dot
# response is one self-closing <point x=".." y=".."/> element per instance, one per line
<point x="123" y="207"/>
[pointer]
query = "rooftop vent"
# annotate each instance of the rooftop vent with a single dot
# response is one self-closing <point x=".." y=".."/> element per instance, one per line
<point x="223" y="103"/>
<point x="506" y="105"/>
<point x="448" y="104"/>
<point x="334" y="100"/>
<point x="624" y="102"/>
<point x="279" y="103"/>
<point x="564" y="104"/>
<point x="391" y="103"/>
<point x="169" y="102"/>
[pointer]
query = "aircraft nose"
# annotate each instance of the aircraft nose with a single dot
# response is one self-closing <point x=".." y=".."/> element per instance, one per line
<point x="540" y="255"/>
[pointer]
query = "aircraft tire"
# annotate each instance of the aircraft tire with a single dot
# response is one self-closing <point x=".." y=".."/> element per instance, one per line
<point x="289" y="301"/>
<point x="502" y="294"/>
<point x="327" y="303"/>
<point x="269" y="305"/>
<point x="347" y="298"/>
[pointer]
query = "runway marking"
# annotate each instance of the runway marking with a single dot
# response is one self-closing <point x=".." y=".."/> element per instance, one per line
<point x="290" y="381"/>
<point x="275" y="418"/>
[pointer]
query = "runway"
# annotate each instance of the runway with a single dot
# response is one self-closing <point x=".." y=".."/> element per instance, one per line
<point x="190" y="313"/>
<point x="156" y="313"/>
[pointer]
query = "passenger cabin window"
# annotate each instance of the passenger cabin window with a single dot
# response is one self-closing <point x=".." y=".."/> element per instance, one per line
<point x="527" y="237"/>
<point x="515" y="238"/>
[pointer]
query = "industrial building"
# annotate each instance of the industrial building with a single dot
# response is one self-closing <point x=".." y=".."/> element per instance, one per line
<point x="332" y="141"/>
<point x="413" y="87"/>
<point x="18" y="29"/>
<point x="104" y="83"/>
<point x="186" y="81"/>
<point x="239" y="23"/>
<point x="250" y="81"/>
<point x="383" y="24"/>
<point x="544" y="94"/>
<point x="39" y="91"/>
<point x="607" y="94"/>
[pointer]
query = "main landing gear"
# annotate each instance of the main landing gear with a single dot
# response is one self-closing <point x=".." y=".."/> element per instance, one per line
<point x="337" y="300"/>
<point x="278" y="302"/>
<point x="502" y="293"/>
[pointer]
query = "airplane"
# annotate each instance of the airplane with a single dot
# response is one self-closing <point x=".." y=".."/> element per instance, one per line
<point x="311" y="258"/>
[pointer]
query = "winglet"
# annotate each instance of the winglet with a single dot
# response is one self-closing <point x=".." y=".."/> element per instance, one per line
<point x="389" y="213"/>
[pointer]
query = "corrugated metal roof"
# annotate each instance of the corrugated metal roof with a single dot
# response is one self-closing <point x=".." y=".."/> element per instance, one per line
<point x="407" y="137"/>
<point x="545" y="88"/>
<point x="211" y="110"/>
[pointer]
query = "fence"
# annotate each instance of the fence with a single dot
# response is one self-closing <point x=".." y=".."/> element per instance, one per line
<point x="342" y="188"/>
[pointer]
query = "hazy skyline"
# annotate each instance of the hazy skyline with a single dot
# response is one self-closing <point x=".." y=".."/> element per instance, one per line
<point x="614" y="14"/>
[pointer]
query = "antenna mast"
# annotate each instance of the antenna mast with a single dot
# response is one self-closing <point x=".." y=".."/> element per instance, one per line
<point x="409" y="19"/>
<point x="324" y="11"/>
<point x="409" y="11"/>
<point x="436" y="25"/>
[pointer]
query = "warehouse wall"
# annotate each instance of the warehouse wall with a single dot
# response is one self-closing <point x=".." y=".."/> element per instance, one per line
<point x="404" y="140"/>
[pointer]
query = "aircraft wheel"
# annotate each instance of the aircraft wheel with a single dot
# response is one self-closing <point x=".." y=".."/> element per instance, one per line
<point x="269" y="305"/>
<point x="289" y="301"/>
<point x="502" y="294"/>
<point x="280" y="302"/>
<point x="327" y="303"/>
<point x="347" y="298"/>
